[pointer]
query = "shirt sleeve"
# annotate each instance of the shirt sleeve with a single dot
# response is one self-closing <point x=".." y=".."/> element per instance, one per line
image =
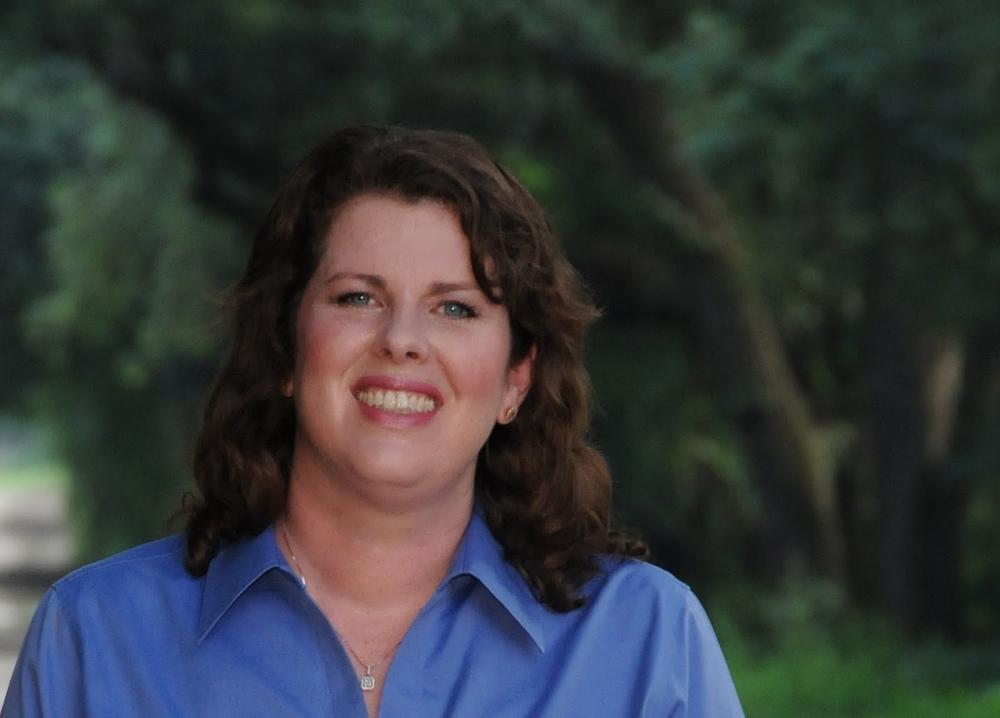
<point x="710" y="689"/>
<point x="46" y="680"/>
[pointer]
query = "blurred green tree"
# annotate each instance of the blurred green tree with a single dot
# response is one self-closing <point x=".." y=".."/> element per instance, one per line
<point x="116" y="283"/>
<point x="788" y="208"/>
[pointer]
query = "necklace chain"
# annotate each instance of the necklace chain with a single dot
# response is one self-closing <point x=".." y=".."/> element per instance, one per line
<point x="367" y="681"/>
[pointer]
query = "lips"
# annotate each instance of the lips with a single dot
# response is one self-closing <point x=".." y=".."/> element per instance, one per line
<point x="396" y="395"/>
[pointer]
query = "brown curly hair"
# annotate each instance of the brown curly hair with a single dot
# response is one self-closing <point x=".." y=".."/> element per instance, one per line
<point x="545" y="492"/>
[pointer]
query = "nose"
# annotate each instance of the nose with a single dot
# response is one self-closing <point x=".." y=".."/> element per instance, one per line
<point x="403" y="336"/>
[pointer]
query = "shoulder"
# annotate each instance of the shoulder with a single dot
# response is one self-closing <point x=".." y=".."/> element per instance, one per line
<point x="129" y="577"/>
<point x="641" y="602"/>
<point x="102" y="620"/>
<point x="665" y="650"/>
<point x="639" y="584"/>
<point x="650" y="609"/>
<point x="164" y="557"/>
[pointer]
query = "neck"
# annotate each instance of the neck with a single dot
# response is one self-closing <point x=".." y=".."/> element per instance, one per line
<point x="360" y="553"/>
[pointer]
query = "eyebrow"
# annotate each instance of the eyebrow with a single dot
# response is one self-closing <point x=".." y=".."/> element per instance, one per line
<point x="379" y="282"/>
<point x="373" y="279"/>
<point x="446" y="287"/>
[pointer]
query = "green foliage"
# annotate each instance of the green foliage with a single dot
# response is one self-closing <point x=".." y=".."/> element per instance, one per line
<point x="799" y="651"/>
<point x="855" y="675"/>
<point x="858" y="669"/>
<point x="836" y="130"/>
<point x="120" y="322"/>
<point x="158" y="255"/>
<point x="679" y="470"/>
<point x="854" y="144"/>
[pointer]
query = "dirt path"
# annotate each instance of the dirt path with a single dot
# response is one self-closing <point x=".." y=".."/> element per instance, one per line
<point x="34" y="551"/>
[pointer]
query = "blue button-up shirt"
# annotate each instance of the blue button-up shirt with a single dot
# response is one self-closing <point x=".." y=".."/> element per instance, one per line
<point x="136" y="635"/>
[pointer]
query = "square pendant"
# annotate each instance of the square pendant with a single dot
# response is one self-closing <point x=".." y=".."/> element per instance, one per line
<point x="367" y="683"/>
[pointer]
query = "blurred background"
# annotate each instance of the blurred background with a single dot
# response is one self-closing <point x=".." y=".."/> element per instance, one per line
<point x="788" y="209"/>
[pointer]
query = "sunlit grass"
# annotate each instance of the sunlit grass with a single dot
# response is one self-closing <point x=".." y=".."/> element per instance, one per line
<point x="27" y="456"/>
<point x="43" y="474"/>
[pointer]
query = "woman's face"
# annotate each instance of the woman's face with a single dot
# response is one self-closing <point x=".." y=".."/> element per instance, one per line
<point x="402" y="363"/>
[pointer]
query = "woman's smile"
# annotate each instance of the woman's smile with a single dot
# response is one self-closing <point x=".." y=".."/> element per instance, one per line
<point x="396" y="402"/>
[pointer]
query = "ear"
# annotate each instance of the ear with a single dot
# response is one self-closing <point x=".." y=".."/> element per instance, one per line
<point x="519" y="378"/>
<point x="288" y="388"/>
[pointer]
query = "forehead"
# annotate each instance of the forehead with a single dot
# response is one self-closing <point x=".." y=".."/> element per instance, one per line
<point x="398" y="233"/>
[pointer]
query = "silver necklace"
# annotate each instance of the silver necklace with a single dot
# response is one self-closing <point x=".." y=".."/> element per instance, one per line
<point x="367" y="681"/>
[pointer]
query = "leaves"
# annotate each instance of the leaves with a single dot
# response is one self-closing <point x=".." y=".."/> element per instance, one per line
<point x="854" y="145"/>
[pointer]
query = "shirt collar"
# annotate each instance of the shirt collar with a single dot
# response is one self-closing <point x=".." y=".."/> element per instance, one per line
<point x="481" y="556"/>
<point x="239" y="565"/>
<point x="235" y="568"/>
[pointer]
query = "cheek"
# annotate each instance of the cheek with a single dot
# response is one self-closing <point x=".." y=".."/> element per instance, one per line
<point x="484" y="372"/>
<point x="314" y="346"/>
<point x="324" y="342"/>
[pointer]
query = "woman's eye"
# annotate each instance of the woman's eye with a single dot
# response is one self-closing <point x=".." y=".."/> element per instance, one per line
<point x="355" y="299"/>
<point x="457" y="310"/>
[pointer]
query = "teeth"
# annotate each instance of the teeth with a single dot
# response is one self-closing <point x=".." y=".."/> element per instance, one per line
<point x="400" y="402"/>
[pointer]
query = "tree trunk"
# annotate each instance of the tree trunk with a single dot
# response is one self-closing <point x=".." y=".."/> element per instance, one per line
<point x="740" y="331"/>
<point x="914" y="382"/>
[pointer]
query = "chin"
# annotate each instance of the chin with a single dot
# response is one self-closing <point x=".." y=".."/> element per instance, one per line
<point x="405" y="482"/>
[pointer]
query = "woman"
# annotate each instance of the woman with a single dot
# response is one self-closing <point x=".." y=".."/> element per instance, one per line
<point x="398" y="512"/>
